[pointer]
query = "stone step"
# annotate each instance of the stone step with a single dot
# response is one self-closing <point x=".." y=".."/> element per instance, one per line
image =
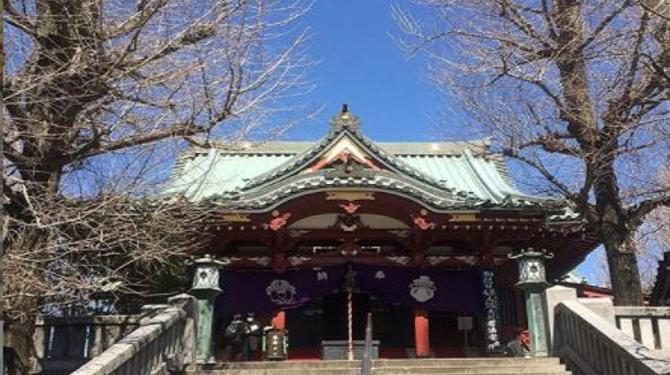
<point x="441" y="372"/>
<point x="451" y="366"/>
<point x="469" y="370"/>
<point x="397" y="371"/>
<point x="500" y="361"/>
<point x="379" y="363"/>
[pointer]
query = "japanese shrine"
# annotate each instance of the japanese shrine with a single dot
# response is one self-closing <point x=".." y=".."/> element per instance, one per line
<point x="313" y="237"/>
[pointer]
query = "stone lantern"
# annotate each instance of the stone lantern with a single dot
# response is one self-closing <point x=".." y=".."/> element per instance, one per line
<point x="205" y="288"/>
<point x="533" y="281"/>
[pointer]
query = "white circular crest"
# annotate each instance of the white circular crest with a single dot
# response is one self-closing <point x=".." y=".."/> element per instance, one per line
<point x="281" y="292"/>
<point x="422" y="288"/>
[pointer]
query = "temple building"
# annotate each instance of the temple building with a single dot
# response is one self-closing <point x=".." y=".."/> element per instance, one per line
<point x="314" y="236"/>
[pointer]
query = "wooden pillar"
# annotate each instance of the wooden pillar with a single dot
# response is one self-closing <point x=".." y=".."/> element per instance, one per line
<point x="279" y="320"/>
<point x="421" y="333"/>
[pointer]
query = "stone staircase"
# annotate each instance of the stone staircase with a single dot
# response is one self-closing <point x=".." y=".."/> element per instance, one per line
<point x="455" y="366"/>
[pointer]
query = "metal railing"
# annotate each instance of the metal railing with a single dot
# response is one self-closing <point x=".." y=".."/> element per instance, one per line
<point x="590" y="345"/>
<point x="163" y="342"/>
<point x="366" y="362"/>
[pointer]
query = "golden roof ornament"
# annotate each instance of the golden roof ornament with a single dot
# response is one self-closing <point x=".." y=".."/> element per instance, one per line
<point x="345" y="120"/>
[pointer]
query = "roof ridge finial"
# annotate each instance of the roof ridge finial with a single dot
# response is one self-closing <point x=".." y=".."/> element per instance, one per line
<point x="344" y="120"/>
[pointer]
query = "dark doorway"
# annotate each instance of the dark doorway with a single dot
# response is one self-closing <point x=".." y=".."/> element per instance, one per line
<point x="335" y="326"/>
<point x="304" y="326"/>
<point x="446" y="340"/>
<point x="393" y="326"/>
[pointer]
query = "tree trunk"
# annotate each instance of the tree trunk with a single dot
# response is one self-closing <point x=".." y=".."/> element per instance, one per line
<point x="616" y="235"/>
<point x="624" y="273"/>
<point x="599" y="147"/>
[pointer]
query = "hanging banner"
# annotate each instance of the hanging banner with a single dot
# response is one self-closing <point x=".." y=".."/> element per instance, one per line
<point x="259" y="291"/>
<point x="428" y="289"/>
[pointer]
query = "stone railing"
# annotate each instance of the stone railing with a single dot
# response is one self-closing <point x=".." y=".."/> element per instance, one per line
<point x="63" y="344"/>
<point x="648" y="325"/>
<point x="590" y="345"/>
<point x="163" y="342"/>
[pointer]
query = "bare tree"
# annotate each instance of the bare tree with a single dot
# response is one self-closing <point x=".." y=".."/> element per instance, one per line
<point x="578" y="91"/>
<point x="660" y="221"/>
<point x="654" y="237"/>
<point x="98" y="97"/>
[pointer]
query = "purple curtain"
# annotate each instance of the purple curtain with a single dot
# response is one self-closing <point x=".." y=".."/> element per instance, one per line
<point x="266" y="291"/>
<point x="429" y="289"/>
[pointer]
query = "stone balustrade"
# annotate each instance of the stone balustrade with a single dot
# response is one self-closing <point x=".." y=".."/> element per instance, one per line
<point x="63" y="344"/>
<point x="591" y="345"/>
<point x="163" y="342"/>
<point x="648" y="325"/>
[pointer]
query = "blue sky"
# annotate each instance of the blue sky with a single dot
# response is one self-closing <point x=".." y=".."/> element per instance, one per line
<point x="360" y="64"/>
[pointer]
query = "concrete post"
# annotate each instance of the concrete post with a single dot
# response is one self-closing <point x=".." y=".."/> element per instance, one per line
<point x="205" y="289"/>
<point x="533" y="281"/>
<point x="552" y="297"/>
<point x="187" y="303"/>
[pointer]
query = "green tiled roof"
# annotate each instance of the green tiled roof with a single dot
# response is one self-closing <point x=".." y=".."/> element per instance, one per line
<point x="202" y="173"/>
<point x="447" y="175"/>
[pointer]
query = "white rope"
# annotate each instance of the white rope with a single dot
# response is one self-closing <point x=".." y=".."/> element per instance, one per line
<point x="350" y="325"/>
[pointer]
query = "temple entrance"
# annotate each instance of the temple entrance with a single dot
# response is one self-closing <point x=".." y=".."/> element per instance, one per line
<point x="415" y="311"/>
<point x="325" y="320"/>
<point x="335" y="325"/>
<point x="393" y="327"/>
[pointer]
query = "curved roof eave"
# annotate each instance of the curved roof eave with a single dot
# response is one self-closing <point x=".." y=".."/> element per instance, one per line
<point x="264" y="199"/>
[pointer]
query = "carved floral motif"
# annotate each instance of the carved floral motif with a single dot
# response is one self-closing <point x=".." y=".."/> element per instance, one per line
<point x="423" y="223"/>
<point x="279" y="222"/>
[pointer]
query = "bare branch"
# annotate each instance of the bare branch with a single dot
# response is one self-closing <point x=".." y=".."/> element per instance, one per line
<point x="639" y="212"/>
<point x="576" y="90"/>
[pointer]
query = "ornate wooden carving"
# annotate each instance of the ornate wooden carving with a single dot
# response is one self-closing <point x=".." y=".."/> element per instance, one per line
<point x="235" y="218"/>
<point x="346" y="161"/>
<point x="423" y="223"/>
<point x="349" y="223"/>
<point x="465" y="218"/>
<point x="349" y="248"/>
<point x="278" y="222"/>
<point x="351" y="196"/>
<point x="350" y="207"/>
